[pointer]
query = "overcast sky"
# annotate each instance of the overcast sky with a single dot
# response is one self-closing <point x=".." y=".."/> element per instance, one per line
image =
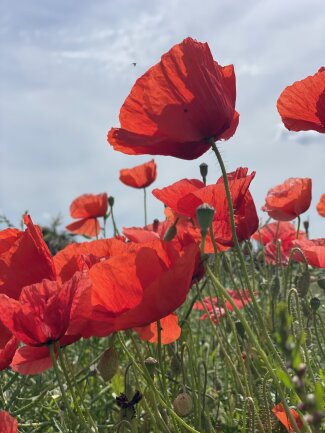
<point x="66" y="68"/>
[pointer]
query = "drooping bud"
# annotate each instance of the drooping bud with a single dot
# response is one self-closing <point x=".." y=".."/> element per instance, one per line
<point x="111" y="201"/>
<point x="321" y="283"/>
<point x="204" y="171"/>
<point x="275" y="286"/>
<point x="240" y="329"/>
<point x="175" y="364"/>
<point x="108" y="364"/>
<point x="302" y="283"/>
<point x="306" y="226"/>
<point x="183" y="404"/>
<point x="204" y="214"/>
<point x="315" y="303"/>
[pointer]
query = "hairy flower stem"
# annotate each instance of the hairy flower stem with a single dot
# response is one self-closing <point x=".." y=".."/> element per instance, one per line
<point x="258" y="348"/>
<point x="241" y="257"/>
<point x="145" y="205"/>
<point x="74" y="396"/>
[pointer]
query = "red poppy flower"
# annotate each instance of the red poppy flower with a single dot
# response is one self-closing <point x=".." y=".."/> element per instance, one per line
<point x="214" y="308"/>
<point x="186" y="195"/>
<point x="88" y="207"/>
<point x="170" y="330"/>
<point x="127" y="293"/>
<point x="25" y="259"/>
<point x="314" y="251"/>
<point x="42" y="314"/>
<point x="178" y="104"/>
<point x="35" y="360"/>
<point x="269" y="234"/>
<point x="302" y="105"/>
<point x="321" y="206"/>
<point x="279" y="412"/>
<point x="288" y="200"/>
<point x="8" y="346"/>
<point x="139" y="176"/>
<point x="8" y="423"/>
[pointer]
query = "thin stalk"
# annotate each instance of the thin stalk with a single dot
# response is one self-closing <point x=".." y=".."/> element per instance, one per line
<point x="145" y="205"/>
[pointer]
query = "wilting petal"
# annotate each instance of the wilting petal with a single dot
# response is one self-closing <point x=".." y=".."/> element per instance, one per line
<point x="279" y="412"/>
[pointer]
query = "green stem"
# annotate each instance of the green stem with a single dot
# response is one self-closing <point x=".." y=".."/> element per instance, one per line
<point x="145" y="205"/>
<point x="258" y="348"/>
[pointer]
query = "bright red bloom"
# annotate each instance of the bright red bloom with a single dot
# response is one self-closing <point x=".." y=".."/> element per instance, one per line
<point x="314" y="251"/>
<point x="214" y="308"/>
<point x="88" y="207"/>
<point x="321" y="206"/>
<point x="186" y="195"/>
<point x="8" y="347"/>
<point x="178" y="104"/>
<point x="139" y="176"/>
<point x="170" y="330"/>
<point x="279" y="412"/>
<point x="288" y="200"/>
<point x="269" y="234"/>
<point x="25" y="259"/>
<point x="35" y="360"/>
<point x="302" y="105"/>
<point x="8" y="424"/>
<point x="42" y="314"/>
<point x="127" y="293"/>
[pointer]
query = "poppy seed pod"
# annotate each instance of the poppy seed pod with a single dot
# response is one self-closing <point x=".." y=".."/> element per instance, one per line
<point x="183" y="404"/>
<point x="108" y="364"/>
<point x="205" y="215"/>
<point x="151" y="364"/>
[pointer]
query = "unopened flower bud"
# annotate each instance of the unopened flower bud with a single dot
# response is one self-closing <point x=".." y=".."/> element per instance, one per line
<point x="170" y="233"/>
<point x="204" y="215"/>
<point x="155" y="225"/>
<point x="301" y="370"/>
<point x="240" y="329"/>
<point x="314" y="303"/>
<point x="321" y="283"/>
<point x="151" y="364"/>
<point x="302" y="283"/>
<point x="204" y="171"/>
<point x="275" y="286"/>
<point x="108" y="364"/>
<point x="183" y="404"/>
<point x="175" y="365"/>
<point x="111" y="201"/>
<point x="306" y="225"/>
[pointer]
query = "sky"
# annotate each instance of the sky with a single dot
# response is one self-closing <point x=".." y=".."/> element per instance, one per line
<point x="66" y="68"/>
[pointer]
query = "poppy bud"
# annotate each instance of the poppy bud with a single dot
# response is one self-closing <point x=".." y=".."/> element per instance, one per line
<point x="170" y="233"/>
<point x="111" y="201"/>
<point x="175" y="365"/>
<point x="306" y="225"/>
<point x="321" y="283"/>
<point x="204" y="171"/>
<point x="183" y="404"/>
<point x="155" y="225"/>
<point x="301" y="370"/>
<point x="314" y="303"/>
<point x="240" y="329"/>
<point x="151" y="364"/>
<point x="108" y="364"/>
<point x="302" y="283"/>
<point x="204" y="215"/>
<point x="275" y="286"/>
